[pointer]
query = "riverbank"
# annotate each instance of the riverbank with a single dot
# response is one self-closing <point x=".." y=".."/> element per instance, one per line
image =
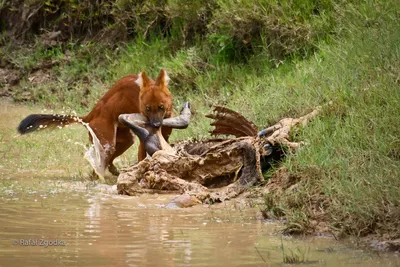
<point x="52" y="164"/>
<point x="347" y="174"/>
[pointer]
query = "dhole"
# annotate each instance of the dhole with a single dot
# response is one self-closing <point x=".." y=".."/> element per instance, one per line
<point x="131" y="94"/>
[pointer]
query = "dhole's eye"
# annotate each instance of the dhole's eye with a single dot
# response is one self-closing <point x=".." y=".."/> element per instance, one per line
<point x="148" y="108"/>
<point x="161" y="107"/>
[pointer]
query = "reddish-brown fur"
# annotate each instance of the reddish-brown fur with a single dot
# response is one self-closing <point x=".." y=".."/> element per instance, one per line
<point x="125" y="96"/>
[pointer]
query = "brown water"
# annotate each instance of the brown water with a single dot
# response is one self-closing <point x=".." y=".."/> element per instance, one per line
<point x="50" y="218"/>
<point x="96" y="228"/>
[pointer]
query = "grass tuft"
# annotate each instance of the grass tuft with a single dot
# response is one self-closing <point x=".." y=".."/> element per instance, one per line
<point x="295" y="256"/>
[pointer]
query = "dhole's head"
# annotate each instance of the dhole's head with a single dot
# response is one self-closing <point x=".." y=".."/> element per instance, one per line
<point x="155" y="100"/>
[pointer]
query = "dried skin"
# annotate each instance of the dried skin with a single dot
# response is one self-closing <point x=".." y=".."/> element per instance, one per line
<point x="212" y="170"/>
<point x="237" y="164"/>
<point x="230" y="122"/>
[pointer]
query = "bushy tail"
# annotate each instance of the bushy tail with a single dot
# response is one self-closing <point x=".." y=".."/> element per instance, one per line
<point x="41" y="121"/>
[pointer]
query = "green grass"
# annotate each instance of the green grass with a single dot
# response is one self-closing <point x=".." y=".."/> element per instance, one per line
<point x="294" y="256"/>
<point x="349" y="171"/>
<point x="347" y="53"/>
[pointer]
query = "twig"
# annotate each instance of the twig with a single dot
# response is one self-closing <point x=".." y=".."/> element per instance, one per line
<point x="260" y="255"/>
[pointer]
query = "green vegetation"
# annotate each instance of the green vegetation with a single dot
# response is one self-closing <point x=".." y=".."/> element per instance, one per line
<point x="294" y="256"/>
<point x="268" y="60"/>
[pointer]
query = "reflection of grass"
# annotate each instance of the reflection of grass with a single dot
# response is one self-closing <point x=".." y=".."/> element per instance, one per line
<point x="295" y="256"/>
<point x="30" y="186"/>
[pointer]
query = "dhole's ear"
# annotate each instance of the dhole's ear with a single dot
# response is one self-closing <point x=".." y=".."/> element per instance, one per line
<point x="162" y="79"/>
<point x="142" y="80"/>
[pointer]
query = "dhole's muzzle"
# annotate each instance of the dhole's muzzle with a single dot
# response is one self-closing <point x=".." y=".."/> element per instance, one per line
<point x="156" y="120"/>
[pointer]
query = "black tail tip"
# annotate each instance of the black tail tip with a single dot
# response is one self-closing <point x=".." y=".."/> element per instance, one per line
<point x="23" y="128"/>
<point x="28" y="124"/>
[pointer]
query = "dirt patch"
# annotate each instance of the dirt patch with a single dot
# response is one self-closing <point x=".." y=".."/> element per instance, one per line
<point x="388" y="245"/>
<point x="281" y="180"/>
<point x="8" y="79"/>
<point x="9" y="76"/>
<point x="40" y="76"/>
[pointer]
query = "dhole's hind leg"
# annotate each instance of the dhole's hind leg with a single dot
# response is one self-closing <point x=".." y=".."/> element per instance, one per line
<point x="105" y="132"/>
<point x="124" y="140"/>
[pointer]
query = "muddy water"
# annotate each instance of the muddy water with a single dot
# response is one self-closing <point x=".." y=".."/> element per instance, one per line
<point x="94" y="228"/>
<point x="48" y="218"/>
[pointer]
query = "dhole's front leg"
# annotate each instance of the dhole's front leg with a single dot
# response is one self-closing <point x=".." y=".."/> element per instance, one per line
<point x="141" y="152"/>
<point x="124" y="140"/>
<point x="166" y="132"/>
